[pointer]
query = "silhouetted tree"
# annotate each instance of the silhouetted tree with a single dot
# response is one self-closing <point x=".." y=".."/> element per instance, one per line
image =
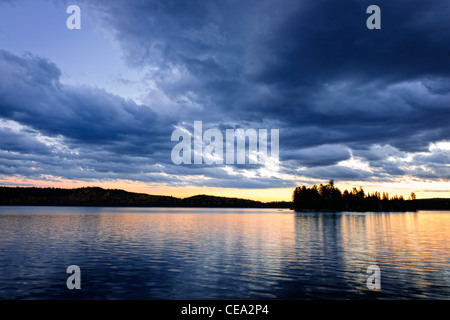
<point x="328" y="197"/>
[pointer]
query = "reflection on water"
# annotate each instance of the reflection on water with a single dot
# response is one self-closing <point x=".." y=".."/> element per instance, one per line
<point x="179" y="253"/>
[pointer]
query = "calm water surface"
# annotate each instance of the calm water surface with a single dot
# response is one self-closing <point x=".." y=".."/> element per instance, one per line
<point x="161" y="253"/>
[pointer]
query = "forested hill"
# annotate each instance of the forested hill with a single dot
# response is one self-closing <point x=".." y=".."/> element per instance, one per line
<point x="95" y="196"/>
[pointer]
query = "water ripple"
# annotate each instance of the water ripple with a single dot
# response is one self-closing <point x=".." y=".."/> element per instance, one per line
<point x="137" y="253"/>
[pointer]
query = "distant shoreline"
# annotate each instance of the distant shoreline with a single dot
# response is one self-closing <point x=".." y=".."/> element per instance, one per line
<point x="143" y="207"/>
<point x="99" y="197"/>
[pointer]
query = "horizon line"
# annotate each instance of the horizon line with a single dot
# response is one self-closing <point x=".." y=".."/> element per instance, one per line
<point x="160" y="195"/>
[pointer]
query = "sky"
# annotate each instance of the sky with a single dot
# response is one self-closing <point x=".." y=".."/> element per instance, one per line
<point x="97" y="106"/>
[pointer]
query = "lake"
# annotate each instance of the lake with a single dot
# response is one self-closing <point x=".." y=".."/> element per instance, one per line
<point x="202" y="253"/>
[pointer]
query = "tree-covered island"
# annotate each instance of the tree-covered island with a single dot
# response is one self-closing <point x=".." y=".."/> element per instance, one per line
<point x="327" y="197"/>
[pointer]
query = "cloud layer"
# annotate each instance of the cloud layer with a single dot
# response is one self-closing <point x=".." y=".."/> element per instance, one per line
<point x="350" y="103"/>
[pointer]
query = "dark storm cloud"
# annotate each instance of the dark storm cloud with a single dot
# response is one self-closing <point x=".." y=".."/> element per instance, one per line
<point x="327" y="40"/>
<point x="21" y="142"/>
<point x="31" y="94"/>
<point x="337" y="172"/>
<point x="318" y="156"/>
<point x="87" y="134"/>
<point x="304" y="63"/>
<point x="310" y="68"/>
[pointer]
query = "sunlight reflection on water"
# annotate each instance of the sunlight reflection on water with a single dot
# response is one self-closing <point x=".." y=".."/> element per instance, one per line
<point x="180" y="253"/>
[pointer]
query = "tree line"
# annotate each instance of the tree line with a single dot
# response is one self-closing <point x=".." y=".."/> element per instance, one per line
<point x="317" y="198"/>
<point x="326" y="197"/>
<point x="95" y="196"/>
